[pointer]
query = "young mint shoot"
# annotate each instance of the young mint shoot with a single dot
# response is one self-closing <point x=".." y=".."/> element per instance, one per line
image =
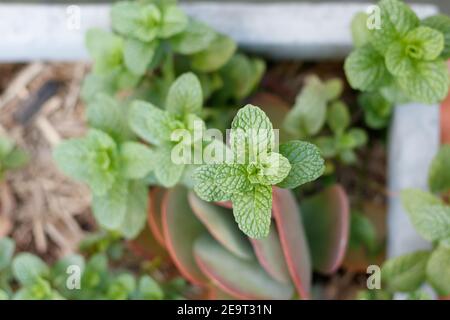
<point x="402" y="54"/>
<point x="255" y="167"/>
<point x="183" y="106"/>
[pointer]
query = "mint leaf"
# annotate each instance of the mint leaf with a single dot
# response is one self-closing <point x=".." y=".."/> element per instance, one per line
<point x="106" y="114"/>
<point x="206" y="186"/>
<point x="137" y="160"/>
<point x="333" y="88"/>
<point x="232" y="178"/>
<point x="405" y="273"/>
<point x="110" y="209"/>
<point x="428" y="83"/>
<point x="306" y="163"/>
<point x="424" y="43"/>
<point x="397" y="19"/>
<point x="220" y="50"/>
<point x="272" y="169"/>
<point x="185" y="95"/>
<point x="135" y="20"/>
<point x="106" y="49"/>
<point x="149" y="122"/>
<point x="92" y="159"/>
<point x="338" y="117"/>
<point x="365" y="69"/>
<point x="7" y="247"/>
<point x="441" y="23"/>
<point x="397" y="60"/>
<point x="438" y="273"/>
<point x="196" y="37"/>
<point x="136" y="211"/>
<point x="439" y="174"/>
<point x="173" y="21"/>
<point x="360" y="32"/>
<point x="252" y="211"/>
<point x="429" y="216"/>
<point x="377" y="109"/>
<point x="149" y="289"/>
<point x="138" y="55"/>
<point x="251" y="133"/>
<point x="28" y="268"/>
<point x="167" y="172"/>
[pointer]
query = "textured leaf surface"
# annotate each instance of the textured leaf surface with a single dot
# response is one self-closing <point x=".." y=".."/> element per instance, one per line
<point x="241" y="278"/>
<point x="405" y="273"/>
<point x="306" y="163"/>
<point x="439" y="174"/>
<point x="221" y="225"/>
<point x="174" y="20"/>
<point x="206" y="186"/>
<point x="167" y="172"/>
<point x="138" y="55"/>
<point x="252" y="211"/>
<point x="326" y="218"/>
<point x="185" y="95"/>
<point x="437" y="270"/>
<point x="137" y="160"/>
<point x="441" y="23"/>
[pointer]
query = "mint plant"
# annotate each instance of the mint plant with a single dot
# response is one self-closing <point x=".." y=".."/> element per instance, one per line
<point x="183" y="107"/>
<point x="403" y="58"/>
<point x="11" y="157"/>
<point x="37" y="280"/>
<point x="248" y="176"/>
<point x="112" y="165"/>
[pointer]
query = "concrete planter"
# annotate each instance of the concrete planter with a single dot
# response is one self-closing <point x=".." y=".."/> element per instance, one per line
<point x="282" y="30"/>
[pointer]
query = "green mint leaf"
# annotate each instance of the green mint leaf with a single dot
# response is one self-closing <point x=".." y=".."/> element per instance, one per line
<point x="149" y="289"/>
<point x="106" y="49"/>
<point x="398" y="62"/>
<point x="7" y="247"/>
<point x="28" y="268"/>
<point x="251" y="133"/>
<point x="377" y="109"/>
<point x="195" y="38"/>
<point x="327" y="146"/>
<point x="218" y="53"/>
<point x="308" y="115"/>
<point x="121" y="287"/>
<point x="365" y="69"/>
<point x="167" y="172"/>
<point x="441" y="23"/>
<point x="405" y="273"/>
<point x="174" y="21"/>
<point x="110" y="209"/>
<point x="439" y="174"/>
<point x="438" y="273"/>
<point x="306" y="163"/>
<point x="397" y="19"/>
<point x="94" y="83"/>
<point x="429" y="216"/>
<point x="333" y="88"/>
<point x="92" y="159"/>
<point x="149" y="122"/>
<point x="356" y="137"/>
<point x="232" y="178"/>
<point x="338" y="117"/>
<point x="428" y="83"/>
<point x="252" y="211"/>
<point x="106" y="114"/>
<point x="360" y="32"/>
<point x="362" y="233"/>
<point x="185" y="95"/>
<point x="206" y="186"/>
<point x="272" y="169"/>
<point x="136" y="211"/>
<point x="138" y="55"/>
<point x="134" y="20"/>
<point x="424" y="43"/>
<point x="137" y="160"/>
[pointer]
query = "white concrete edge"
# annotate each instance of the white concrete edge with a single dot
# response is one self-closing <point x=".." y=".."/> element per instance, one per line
<point x="283" y="30"/>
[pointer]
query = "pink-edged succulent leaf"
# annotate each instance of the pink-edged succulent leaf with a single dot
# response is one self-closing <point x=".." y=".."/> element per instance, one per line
<point x="221" y="225"/>
<point x="216" y="293"/>
<point x="181" y="228"/>
<point x="243" y="279"/>
<point x="270" y="255"/>
<point x="154" y="214"/>
<point x="225" y="204"/>
<point x="326" y="218"/>
<point x="287" y="216"/>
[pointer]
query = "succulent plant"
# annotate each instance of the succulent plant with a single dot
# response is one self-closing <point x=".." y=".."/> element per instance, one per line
<point x="206" y="246"/>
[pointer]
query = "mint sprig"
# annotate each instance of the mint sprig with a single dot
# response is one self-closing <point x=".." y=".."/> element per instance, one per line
<point x="255" y="167"/>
